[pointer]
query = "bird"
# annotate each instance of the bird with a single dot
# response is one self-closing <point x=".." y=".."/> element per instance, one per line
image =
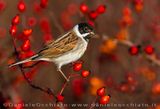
<point x="66" y="49"/>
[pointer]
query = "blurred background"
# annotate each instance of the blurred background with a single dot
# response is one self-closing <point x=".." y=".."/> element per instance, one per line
<point x="125" y="59"/>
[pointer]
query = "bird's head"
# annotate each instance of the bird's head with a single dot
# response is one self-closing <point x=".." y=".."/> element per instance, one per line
<point x="86" y="31"/>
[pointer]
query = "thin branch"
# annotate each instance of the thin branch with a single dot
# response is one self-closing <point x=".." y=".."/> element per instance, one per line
<point x="128" y="43"/>
<point x="152" y="57"/>
<point x="45" y="90"/>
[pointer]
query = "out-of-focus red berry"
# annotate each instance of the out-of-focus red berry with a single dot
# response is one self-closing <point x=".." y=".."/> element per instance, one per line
<point x="101" y="9"/>
<point x="134" y="50"/>
<point x="77" y="66"/>
<point x="85" y="73"/>
<point x="32" y="21"/>
<point x="93" y="15"/>
<point x="60" y="98"/>
<point x="131" y="79"/>
<point x="47" y="37"/>
<point x="36" y="7"/>
<point x="104" y="99"/>
<point x="110" y="82"/>
<point x="13" y="30"/>
<point x="45" y="25"/>
<point x="22" y="55"/>
<point x="26" y="45"/>
<point x="19" y="106"/>
<point x="156" y="88"/>
<point x="138" y="1"/>
<point x="149" y="49"/>
<point x="78" y="87"/>
<point x="2" y="5"/>
<point x="101" y="91"/>
<point x="124" y="87"/>
<point x="27" y="32"/>
<point x="29" y="53"/>
<point x="126" y="11"/>
<point x="72" y="9"/>
<point x="21" y="6"/>
<point x="44" y="3"/>
<point x="90" y="22"/>
<point x="15" y="20"/>
<point x="84" y="8"/>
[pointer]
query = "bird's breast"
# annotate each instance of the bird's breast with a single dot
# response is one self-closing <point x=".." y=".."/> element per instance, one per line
<point x="72" y="55"/>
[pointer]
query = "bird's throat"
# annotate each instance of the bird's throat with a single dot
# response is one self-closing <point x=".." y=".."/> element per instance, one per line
<point x="87" y="38"/>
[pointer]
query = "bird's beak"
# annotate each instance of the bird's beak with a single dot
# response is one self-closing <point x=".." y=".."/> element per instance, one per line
<point x="93" y="35"/>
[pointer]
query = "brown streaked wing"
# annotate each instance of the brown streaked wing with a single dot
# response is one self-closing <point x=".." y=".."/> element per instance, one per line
<point x="60" y="46"/>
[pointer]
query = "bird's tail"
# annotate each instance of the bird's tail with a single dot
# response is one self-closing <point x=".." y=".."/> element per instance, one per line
<point x="24" y="61"/>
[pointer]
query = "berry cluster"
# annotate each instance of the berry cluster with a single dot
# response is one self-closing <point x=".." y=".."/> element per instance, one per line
<point x="77" y="66"/>
<point x="92" y="14"/>
<point x="104" y="99"/>
<point x="135" y="50"/>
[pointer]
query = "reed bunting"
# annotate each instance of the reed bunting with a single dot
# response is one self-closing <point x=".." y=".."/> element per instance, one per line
<point x="66" y="49"/>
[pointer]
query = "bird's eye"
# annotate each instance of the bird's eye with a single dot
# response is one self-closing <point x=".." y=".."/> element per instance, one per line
<point x="81" y="31"/>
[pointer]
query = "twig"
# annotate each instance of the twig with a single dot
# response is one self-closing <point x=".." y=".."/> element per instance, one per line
<point x="45" y="90"/>
<point x="149" y="57"/>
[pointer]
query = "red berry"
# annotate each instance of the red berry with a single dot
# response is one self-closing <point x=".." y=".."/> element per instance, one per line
<point x="21" y="6"/>
<point x="123" y="87"/>
<point x="101" y="91"/>
<point x="149" y="49"/>
<point x="93" y="15"/>
<point x="2" y="5"/>
<point x="44" y="3"/>
<point x="60" y="98"/>
<point x="26" y="45"/>
<point x="47" y="37"/>
<point x="32" y="21"/>
<point x="90" y="22"/>
<point x="134" y="50"/>
<point x="85" y="73"/>
<point x="77" y="66"/>
<point x="130" y="78"/>
<point x="22" y="55"/>
<point x="101" y="9"/>
<point x="15" y="20"/>
<point x="104" y="99"/>
<point x="29" y="53"/>
<point x="27" y="32"/>
<point x="138" y="1"/>
<point x="13" y="30"/>
<point x="126" y="11"/>
<point x="84" y="8"/>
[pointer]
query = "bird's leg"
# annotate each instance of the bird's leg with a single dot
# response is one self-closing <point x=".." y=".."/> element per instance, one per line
<point x="59" y="69"/>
